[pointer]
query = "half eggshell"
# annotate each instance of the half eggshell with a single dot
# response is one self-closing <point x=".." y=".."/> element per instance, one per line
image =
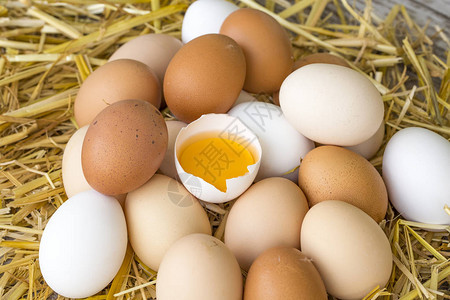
<point x="222" y="126"/>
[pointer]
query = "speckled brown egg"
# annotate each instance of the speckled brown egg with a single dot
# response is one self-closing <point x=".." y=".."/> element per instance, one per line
<point x="284" y="273"/>
<point x="266" y="45"/>
<point x="114" y="81"/>
<point x="123" y="147"/>
<point x="335" y="173"/>
<point x="205" y="76"/>
<point x="316" y="58"/>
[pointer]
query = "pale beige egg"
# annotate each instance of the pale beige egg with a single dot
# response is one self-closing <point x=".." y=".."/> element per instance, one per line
<point x="348" y="248"/>
<point x="159" y="213"/>
<point x="199" y="266"/>
<point x="269" y="214"/>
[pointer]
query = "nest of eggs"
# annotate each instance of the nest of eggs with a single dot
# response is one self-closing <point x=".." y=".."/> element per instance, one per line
<point x="49" y="48"/>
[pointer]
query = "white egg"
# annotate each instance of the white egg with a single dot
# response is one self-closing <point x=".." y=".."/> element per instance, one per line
<point x="214" y="158"/>
<point x="244" y="97"/>
<point x="282" y="145"/>
<point x="72" y="172"/>
<point x="370" y="147"/>
<point x="83" y="245"/>
<point x="416" y="171"/>
<point x="331" y="104"/>
<point x="205" y="16"/>
<point x="167" y="166"/>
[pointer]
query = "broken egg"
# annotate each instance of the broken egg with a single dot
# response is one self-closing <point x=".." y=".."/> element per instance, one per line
<point x="217" y="157"/>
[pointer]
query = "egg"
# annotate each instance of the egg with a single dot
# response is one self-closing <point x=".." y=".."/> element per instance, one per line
<point x="165" y="206"/>
<point x="324" y="58"/>
<point x="154" y="50"/>
<point x="123" y="147"/>
<point x="283" y="146"/>
<point x="106" y="85"/>
<point x="199" y="266"/>
<point x="72" y="171"/>
<point x="347" y="112"/>
<point x="266" y="45"/>
<point x="350" y="251"/>
<point x="244" y="97"/>
<point x="370" y="147"/>
<point x="286" y="274"/>
<point x="217" y="157"/>
<point x="268" y="214"/>
<point x="83" y="245"/>
<point x="167" y="166"/>
<point x="335" y="173"/>
<point x="205" y="76"/>
<point x="416" y="170"/>
<point x="204" y="17"/>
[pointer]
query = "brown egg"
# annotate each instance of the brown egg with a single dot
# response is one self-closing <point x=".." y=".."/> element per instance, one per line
<point x="123" y="147"/>
<point x="324" y="58"/>
<point x="335" y="173"/>
<point x="266" y="46"/>
<point x="114" y="81"/>
<point x="205" y="76"/>
<point x="121" y="198"/>
<point x="284" y="273"/>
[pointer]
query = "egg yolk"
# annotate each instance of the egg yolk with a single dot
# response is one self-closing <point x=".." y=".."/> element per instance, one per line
<point x="215" y="160"/>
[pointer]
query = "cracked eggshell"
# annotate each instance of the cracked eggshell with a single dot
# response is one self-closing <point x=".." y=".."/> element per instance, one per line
<point x="222" y="126"/>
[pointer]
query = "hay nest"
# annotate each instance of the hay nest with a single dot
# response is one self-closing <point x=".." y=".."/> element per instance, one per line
<point x="49" y="47"/>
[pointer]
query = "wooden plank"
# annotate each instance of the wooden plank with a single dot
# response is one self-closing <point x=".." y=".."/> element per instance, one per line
<point x="437" y="12"/>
